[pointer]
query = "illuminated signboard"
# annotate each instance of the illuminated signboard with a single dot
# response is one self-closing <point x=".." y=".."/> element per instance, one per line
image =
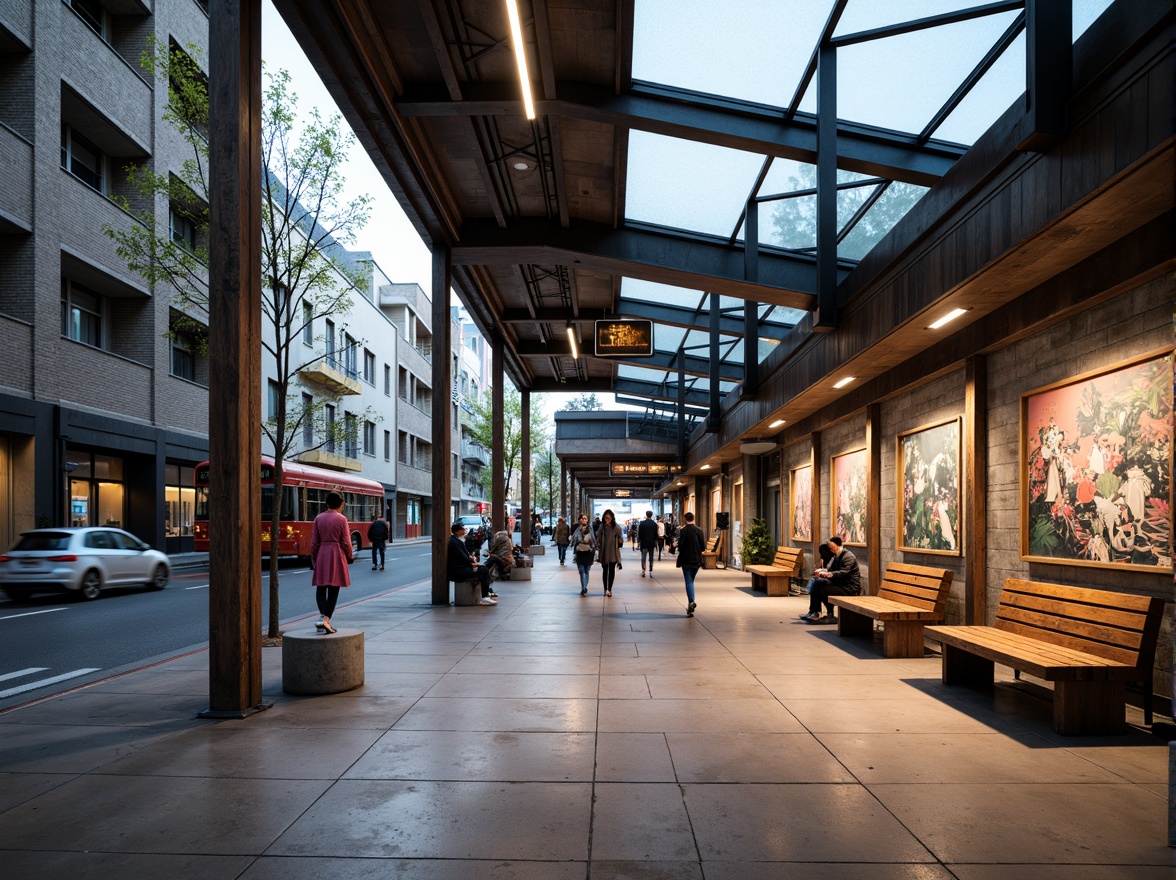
<point x="622" y="493"/>
<point x="642" y="468"/>
<point x="624" y="338"/>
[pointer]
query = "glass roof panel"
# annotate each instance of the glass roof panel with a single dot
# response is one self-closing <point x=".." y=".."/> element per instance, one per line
<point x="865" y="15"/>
<point x="652" y="292"/>
<point x="656" y="191"/>
<point x="1002" y="84"/>
<point x="667" y="337"/>
<point x="900" y="82"/>
<point x="754" y="50"/>
<point x="883" y="214"/>
<point x="1085" y="13"/>
<point x="643" y="374"/>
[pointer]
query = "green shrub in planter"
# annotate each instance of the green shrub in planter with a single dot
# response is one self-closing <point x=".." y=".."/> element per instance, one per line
<point x="757" y="548"/>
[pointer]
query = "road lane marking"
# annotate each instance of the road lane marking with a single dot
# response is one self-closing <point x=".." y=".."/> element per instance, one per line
<point x="23" y="672"/>
<point x="200" y="587"/>
<point x="31" y="613"/>
<point x="33" y="685"/>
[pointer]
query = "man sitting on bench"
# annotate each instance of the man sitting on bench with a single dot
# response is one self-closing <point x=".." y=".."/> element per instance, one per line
<point x="841" y="578"/>
<point x="460" y="566"/>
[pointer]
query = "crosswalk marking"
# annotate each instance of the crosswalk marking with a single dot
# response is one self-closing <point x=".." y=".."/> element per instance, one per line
<point x="33" y="685"/>
<point x="21" y="672"/>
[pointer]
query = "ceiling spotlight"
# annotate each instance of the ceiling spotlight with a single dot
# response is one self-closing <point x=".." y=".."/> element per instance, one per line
<point x="777" y="423"/>
<point x="680" y="483"/>
<point x="950" y="316"/>
<point x="841" y="383"/>
<point x="705" y="467"/>
<point x="521" y="166"/>
<point x="573" y="343"/>
<point x="520" y="53"/>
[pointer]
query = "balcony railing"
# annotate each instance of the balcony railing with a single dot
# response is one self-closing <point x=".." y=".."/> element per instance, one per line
<point x="333" y="375"/>
<point x="474" y="453"/>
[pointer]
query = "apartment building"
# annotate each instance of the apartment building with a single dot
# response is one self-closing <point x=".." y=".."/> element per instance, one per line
<point x="471" y="372"/>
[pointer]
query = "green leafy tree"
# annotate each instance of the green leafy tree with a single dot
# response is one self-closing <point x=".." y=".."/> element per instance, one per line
<point x="756" y="548"/>
<point x="306" y="218"/>
<point x="548" y="474"/>
<point x="481" y="428"/>
<point x="582" y="403"/>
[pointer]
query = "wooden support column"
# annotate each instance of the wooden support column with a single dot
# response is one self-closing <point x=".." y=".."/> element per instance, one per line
<point x="442" y="420"/>
<point x="815" y="499"/>
<point x="525" y="471"/>
<point x="874" y="495"/>
<point x="975" y="486"/>
<point x="497" y="439"/>
<point x="234" y="391"/>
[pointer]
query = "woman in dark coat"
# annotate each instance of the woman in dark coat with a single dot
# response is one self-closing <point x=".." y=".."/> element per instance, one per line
<point x="609" y="540"/>
<point x="330" y="554"/>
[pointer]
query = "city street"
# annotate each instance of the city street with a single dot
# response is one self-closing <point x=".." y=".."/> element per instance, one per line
<point x="52" y="643"/>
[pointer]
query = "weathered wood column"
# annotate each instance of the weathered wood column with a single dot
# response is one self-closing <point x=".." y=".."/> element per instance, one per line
<point x="815" y="499"/>
<point x="874" y="496"/>
<point x="498" y="439"/>
<point x="525" y="471"/>
<point x="442" y="420"/>
<point x="234" y="389"/>
<point x="975" y="486"/>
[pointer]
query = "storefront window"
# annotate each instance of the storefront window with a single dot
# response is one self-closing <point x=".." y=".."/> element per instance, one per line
<point x="180" y="500"/>
<point x="97" y="496"/>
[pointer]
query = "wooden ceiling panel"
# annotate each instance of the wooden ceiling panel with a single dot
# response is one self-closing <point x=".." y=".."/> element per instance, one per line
<point x="588" y="168"/>
<point x="583" y="39"/>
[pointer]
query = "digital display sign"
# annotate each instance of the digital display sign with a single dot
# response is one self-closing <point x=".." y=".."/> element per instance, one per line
<point x="642" y="468"/>
<point x="624" y="338"/>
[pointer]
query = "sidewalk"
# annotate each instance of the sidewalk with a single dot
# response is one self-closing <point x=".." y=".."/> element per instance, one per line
<point x="559" y="737"/>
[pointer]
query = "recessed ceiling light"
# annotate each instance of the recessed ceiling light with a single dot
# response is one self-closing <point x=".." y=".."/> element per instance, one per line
<point x="777" y="423"/>
<point x="680" y="483"/>
<point x="841" y="383"/>
<point x="521" y="166"/>
<point x="950" y="316"/>
<point x="705" y="467"/>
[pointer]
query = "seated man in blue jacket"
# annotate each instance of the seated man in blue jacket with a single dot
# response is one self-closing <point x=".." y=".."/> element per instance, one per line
<point x="461" y="566"/>
<point x="841" y="578"/>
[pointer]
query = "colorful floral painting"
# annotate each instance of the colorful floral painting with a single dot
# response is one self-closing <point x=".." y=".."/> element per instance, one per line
<point x="800" y="489"/>
<point x="1097" y="468"/>
<point x="849" y="496"/>
<point x="929" y="489"/>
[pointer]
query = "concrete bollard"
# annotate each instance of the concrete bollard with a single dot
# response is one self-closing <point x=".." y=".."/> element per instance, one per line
<point x="317" y="663"/>
<point x="467" y="592"/>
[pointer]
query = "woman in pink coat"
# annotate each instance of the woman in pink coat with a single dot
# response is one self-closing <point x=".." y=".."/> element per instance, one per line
<point x="330" y="553"/>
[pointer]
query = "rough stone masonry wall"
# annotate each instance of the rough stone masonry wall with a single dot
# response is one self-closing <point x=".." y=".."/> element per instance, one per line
<point x="840" y="438"/>
<point x="1134" y="323"/>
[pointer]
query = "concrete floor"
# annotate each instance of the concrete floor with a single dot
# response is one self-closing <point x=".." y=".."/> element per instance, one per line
<point x="559" y="737"/>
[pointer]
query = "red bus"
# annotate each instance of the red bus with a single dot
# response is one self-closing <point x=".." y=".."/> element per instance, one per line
<point x="304" y="496"/>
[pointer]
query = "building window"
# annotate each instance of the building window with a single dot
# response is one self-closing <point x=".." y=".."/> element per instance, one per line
<point x="82" y="159"/>
<point x="402" y="384"/>
<point x="387" y="446"/>
<point x="351" y="442"/>
<point x="82" y="315"/>
<point x="180" y="500"/>
<point x="402" y="447"/>
<point x="307" y="420"/>
<point x="330" y="427"/>
<point x="183" y="230"/>
<point x="274" y="391"/>
<point x="92" y="13"/>
<point x="307" y="323"/>
<point x="330" y="341"/>
<point x="369" y="367"/>
<point x="369" y="438"/>
<point x="183" y="362"/>
<point x="350" y="357"/>
<point x="387" y="381"/>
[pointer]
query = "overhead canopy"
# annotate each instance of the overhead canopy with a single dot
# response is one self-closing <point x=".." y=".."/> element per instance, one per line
<point x="660" y="124"/>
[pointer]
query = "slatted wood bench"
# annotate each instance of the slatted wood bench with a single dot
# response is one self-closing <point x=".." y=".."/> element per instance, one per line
<point x="909" y="597"/>
<point x="774" y="579"/>
<point x="1089" y="643"/>
<point x="710" y="556"/>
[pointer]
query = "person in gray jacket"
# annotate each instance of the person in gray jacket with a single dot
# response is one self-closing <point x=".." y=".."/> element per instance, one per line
<point x="609" y="541"/>
<point x="583" y="542"/>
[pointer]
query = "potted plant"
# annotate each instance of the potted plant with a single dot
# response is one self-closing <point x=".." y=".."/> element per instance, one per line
<point x="756" y="548"/>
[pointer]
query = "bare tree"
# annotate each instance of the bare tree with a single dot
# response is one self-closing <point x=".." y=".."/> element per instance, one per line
<point x="306" y="219"/>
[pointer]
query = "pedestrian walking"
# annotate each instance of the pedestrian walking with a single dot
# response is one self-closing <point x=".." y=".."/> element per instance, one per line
<point x="661" y="536"/>
<point x="691" y="542"/>
<point x="609" y="542"/>
<point x="330" y="554"/>
<point x="560" y="536"/>
<point x="584" y="551"/>
<point x="378" y="535"/>
<point x="647" y="541"/>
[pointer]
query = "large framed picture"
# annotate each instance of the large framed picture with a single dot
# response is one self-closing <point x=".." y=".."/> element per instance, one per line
<point x="1096" y="468"/>
<point x="848" y="505"/>
<point x="800" y="503"/>
<point x="928" y="467"/>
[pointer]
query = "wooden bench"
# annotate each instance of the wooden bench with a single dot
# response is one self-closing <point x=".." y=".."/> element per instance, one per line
<point x="710" y="556"/>
<point x="909" y="597"/>
<point x="1089" y="643"/>
<point x="774" y="579"/>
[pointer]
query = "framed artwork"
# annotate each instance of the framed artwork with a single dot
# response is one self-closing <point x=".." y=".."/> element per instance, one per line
<point x="848" y="507"/>
<point x="1096" y="468"/>
<point x="928" y="467"/>
<point x="800" y="503"/>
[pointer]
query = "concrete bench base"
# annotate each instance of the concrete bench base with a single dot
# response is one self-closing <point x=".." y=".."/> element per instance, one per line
<point x="520" y="573"/>
<point x="466" y="592"/>
<point x="317" y="663"/>
<point x="537" y="550"/>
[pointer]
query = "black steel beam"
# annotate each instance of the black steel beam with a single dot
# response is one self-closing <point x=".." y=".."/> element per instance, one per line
<point x="680" y="113"/>
<point x="658" y="391"/>
<point x="659" y="360"/>
<point x="1049" y="71"/>
<point x="662" y="313"/>
<point x="693" y="261"/>
<point x="918" y="24"/>
<point x="660" y="405"/>
<point x="826" y="313"/>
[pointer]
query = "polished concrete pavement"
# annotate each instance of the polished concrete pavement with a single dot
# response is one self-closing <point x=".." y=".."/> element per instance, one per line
<point x="559" y="737"/>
